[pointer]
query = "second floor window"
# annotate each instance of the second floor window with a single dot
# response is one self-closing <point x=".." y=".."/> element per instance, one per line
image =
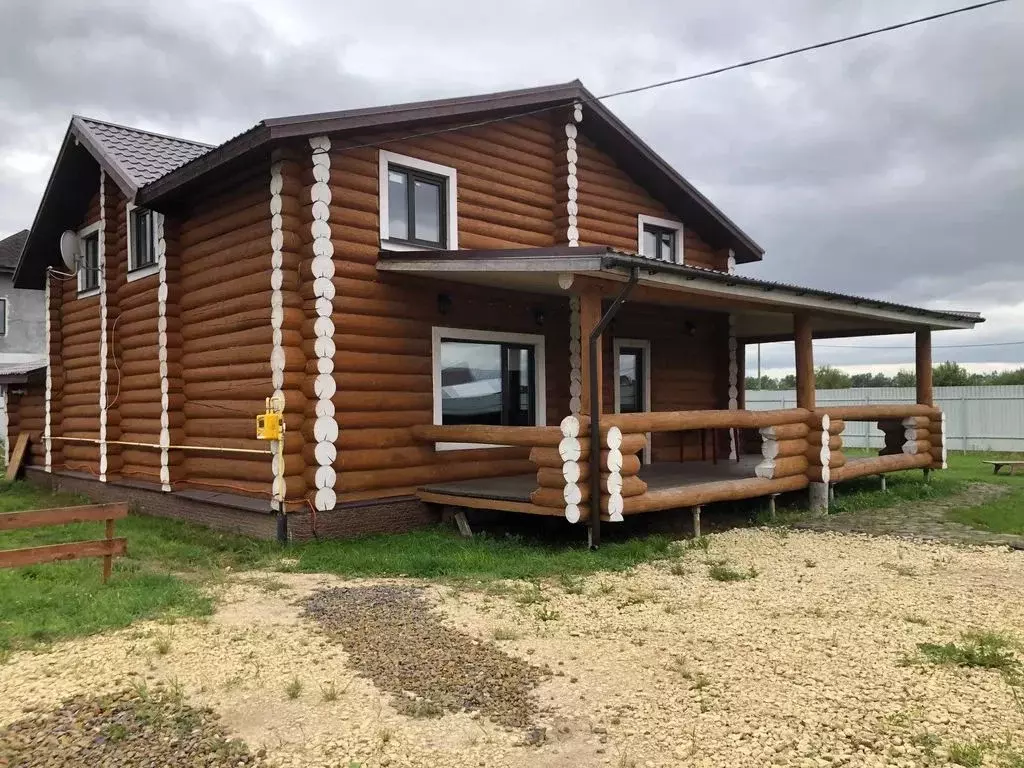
<point x="660" y="239"/>
<point x="416" y="207"/>
<point x="142" y="251"/>
<point x="417" y="204"/>
<point x="89" y="268"/>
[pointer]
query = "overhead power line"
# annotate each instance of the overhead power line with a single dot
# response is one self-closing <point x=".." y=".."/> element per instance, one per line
<point x="689" y="78"/>
<point x="945" y="346"/>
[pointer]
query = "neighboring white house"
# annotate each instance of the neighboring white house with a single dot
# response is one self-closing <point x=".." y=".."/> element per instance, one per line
<point x="22" y="326"/>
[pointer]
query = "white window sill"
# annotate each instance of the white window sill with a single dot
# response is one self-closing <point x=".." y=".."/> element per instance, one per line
<point x="465" y="446"/>
<point x="391" y="245"/>
<point x="141" y="272"/>
<point x="88" y="293"/>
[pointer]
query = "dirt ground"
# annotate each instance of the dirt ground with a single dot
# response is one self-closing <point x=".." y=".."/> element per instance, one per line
<point x="803" y="664"/>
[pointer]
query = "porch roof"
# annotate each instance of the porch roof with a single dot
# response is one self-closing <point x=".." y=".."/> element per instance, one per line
<point x="763" y="308"/>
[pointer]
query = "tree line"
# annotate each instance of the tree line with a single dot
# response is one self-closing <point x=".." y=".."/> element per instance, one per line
<point x="947" y="374"/>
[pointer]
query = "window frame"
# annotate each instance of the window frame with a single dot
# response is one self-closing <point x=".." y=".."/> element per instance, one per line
<point x="445" y="333"/>
<point x="644" y="345"/>
<point x="93" y="230"/>
<point x="138" y="272"/>
<point x="448" y="208"/>
<point x="6" y="304"/>
<point x="668" y="225"/>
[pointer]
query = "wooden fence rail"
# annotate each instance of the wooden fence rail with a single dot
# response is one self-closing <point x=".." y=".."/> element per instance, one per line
<point x="108" y="548"/>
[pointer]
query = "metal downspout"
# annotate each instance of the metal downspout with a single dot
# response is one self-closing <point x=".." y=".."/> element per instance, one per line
<point x="595" y="408"/>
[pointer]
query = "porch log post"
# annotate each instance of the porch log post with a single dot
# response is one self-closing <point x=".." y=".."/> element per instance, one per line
<point x="803" y="343"/>
<point x="925" y="395"/>
<point x="590" y="316"/>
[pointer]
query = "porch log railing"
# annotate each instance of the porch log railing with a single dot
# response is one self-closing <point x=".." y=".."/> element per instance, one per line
<point x="914" y="438"/>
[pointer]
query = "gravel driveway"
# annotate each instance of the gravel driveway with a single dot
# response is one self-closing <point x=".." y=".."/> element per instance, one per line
<point x="808" y="658"/>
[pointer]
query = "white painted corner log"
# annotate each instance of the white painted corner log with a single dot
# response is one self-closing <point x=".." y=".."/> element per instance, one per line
<point x="279" y="489"/>
<point x="102" y="258"/>
<point x="616" y="505"/>
<point x="572" y="492"/>
<point x="575" y="357"/>
<point x="572" y="232"/>
<point x="47" y="428"/>
<point x="325" y="428"/>
<point x="161" y="296"/>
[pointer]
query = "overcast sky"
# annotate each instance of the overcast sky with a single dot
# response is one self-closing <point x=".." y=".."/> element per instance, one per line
<point x="891" y="167"/>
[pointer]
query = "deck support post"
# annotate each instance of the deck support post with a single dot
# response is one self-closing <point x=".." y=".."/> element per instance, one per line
<point x="696" y="522"/>
<point x="819" y="495"/>
<point x="593" y="392"/>
<point x="804" y="348"/>
<point x="928" y="474"/>
<point x="463" y="523"/>
<point x="771" y="506"/>
<point x="882" y="478"/>
<point x="923" y="365"/>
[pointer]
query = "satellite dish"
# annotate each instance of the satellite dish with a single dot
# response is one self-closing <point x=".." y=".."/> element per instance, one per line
<point x="69" y="250"/>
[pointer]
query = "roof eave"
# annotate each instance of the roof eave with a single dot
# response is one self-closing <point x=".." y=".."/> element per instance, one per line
<point x="84" y="134"/>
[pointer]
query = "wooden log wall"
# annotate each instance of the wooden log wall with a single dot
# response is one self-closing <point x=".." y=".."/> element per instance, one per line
<point x="224" y="333"/>
<point x="382" y="324"/>
<point x="26" y="412"/>
<point x="825" y="447"/>
<point x="50" y="452"/>
<point x="610" y="201"/>
<point x="76" y="404"/>
<point x="688" y="372"/>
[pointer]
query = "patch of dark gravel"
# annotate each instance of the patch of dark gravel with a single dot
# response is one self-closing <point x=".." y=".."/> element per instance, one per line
<point x="131" y="729"/>
<point x="394" y="638"/>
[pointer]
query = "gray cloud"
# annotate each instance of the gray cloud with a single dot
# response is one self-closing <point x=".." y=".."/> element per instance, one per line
<point x="892" y="167"/>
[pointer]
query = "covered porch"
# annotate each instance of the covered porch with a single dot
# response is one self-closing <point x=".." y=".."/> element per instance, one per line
<point x="672" y="431"/>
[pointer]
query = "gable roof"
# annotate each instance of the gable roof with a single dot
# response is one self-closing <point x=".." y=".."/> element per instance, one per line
<point x="10" y="250"/>
<point x="637" y="158"/>
<point x="132" y="156"/>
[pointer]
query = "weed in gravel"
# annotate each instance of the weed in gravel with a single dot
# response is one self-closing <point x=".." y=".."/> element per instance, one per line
<point x="671" y="608"/>
<point x="723" y="572"/>
<point x="531" y="595"/>
<point x="911" y="619"/>
<point x="678" y="569"/>
<point x="163" y="644"/>
<point x="605" y="588"/>
<point x="294" y="688"/>
<point x="817" y="612"/>
<point x="808" y="563"/>
<point x="419" y="708"/>
<point x="384" y="737"/>
<point x="547" y="614"/>
<point x="329" y="692"/>
<point x="638" y="597"/>
<point x="927" y="741"/>
<point x="987" y="650"/>
<point x="268" y="584"/>
<point x="968" y="753"/>
<point x="572" y="585"/>
<point x="505" y="633"/>
<point x="900" y="569"/>
<point x="699" y="681"/>
<point x="703" y="543"/>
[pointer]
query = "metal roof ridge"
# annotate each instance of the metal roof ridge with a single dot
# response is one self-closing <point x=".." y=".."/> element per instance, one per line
<point x="145" y="131"/>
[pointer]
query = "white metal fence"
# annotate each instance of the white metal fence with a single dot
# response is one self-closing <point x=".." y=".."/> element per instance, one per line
<point x="977" y="418"/>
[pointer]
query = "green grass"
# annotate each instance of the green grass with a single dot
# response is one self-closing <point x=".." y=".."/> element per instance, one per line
<point x="984" y="650"/>
<point x="725" y="572"/>
<point x="169" y="562"/>
<point x="1002" y="515"/>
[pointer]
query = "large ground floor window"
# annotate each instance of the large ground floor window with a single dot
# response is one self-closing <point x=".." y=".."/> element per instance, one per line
<point x="487" y="377"/>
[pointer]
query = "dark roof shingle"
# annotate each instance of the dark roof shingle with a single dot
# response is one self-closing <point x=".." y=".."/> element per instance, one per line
<point x="10" y="250"/>
<point x="141" y="156"/>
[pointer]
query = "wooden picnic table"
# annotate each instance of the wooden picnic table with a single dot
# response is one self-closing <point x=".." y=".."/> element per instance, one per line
<point x="998" y="464"/>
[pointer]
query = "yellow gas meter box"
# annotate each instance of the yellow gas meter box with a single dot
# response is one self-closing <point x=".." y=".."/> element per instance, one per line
<point x="268" y="426"/>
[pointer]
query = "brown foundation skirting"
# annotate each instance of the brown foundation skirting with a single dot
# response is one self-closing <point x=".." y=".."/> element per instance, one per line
<point x="233" y="513"/>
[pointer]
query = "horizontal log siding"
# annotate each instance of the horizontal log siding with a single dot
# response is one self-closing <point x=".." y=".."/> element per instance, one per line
<point x="77" y="398"/>
<point x="687" y="372"/>
<point x="610" y="201"/>
<point x="223" y="333"/>
<point x="383" y="323"/>
<point x="26" y="412"/>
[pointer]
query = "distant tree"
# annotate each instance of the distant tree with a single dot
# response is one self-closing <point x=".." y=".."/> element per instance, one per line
<point x="950" y="374"/>
<point x="904" y="379"/>
<point x="870" y="380"/>
<point x="1007" y="377"/>
<point x="765" y="382"/>
<point x="788" y="381"/>
<point x="827" y="377"/>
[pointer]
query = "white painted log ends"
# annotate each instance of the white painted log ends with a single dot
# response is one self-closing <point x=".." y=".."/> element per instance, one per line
<point x="325" y="428"/>
<point x="911" y="446"/>
<point x="572" y="232"/>
<point x="825" y="455"/>
<point x="734" y="388"/>
<point x="47" y="434"/>
<point x="614" y="482"/>
<point x="575" y="357"/>
<point x="279" y="488"/>
<point x="103" y="326"/>
<point x="161" y="310"/>
<point x="731" y="262"/>
<point x="569" y="450"/>
<point x="942" y="439"/>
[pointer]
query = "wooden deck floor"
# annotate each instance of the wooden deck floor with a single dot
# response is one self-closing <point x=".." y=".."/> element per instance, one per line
<point x="659" y="476"/>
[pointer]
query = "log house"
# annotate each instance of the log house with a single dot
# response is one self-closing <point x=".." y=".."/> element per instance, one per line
<point x="415" y="288"/>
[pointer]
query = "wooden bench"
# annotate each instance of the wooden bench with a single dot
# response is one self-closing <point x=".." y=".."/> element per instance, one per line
<point x="998" y="464"/>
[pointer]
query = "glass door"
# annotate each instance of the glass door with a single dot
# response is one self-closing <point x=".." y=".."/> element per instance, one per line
<point x="633" y="381"/>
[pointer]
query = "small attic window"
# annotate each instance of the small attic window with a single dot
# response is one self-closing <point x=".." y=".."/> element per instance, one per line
<point x="142" y="242"/>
